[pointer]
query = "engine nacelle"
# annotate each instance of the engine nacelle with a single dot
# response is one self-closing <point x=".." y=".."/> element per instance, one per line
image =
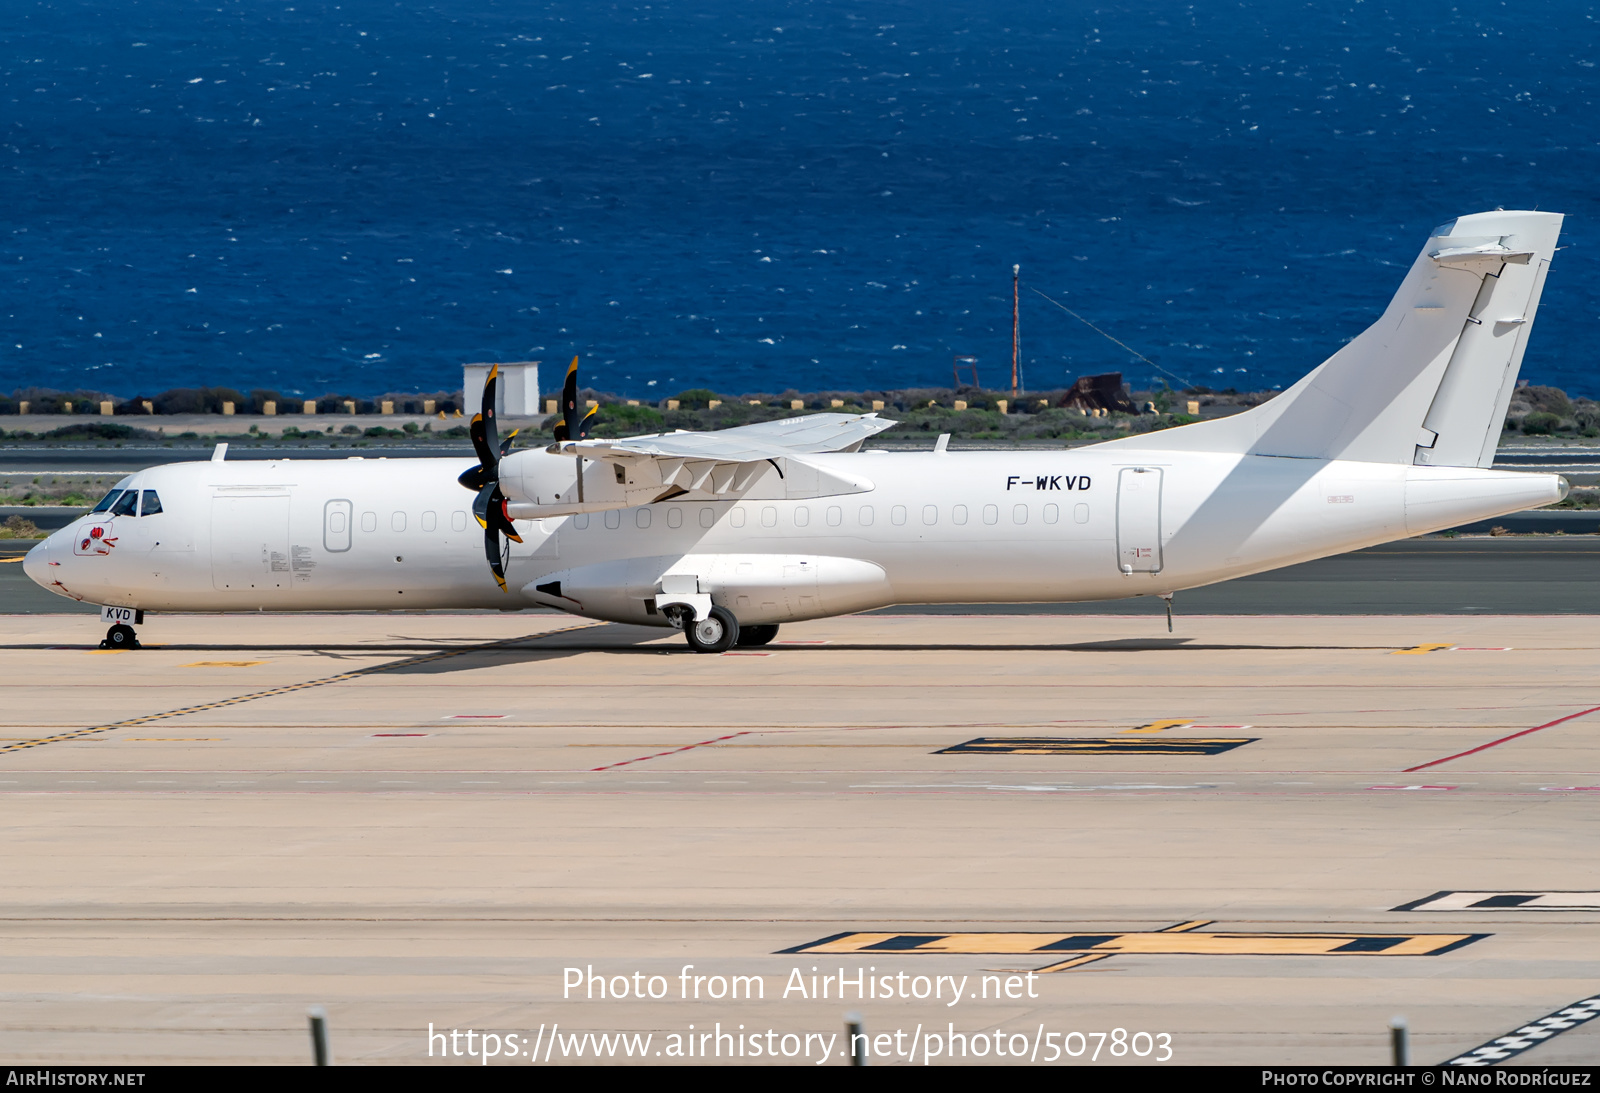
<point x="757" y="588"/>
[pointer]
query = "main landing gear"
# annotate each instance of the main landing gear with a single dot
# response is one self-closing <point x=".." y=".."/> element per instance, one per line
<point x="719" y="631"/>
<point x="120" y="636"/>
<point x="758" y="634"/>
<point x="716" y="633"/>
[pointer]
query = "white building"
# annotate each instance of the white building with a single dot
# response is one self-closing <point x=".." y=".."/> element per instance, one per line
<point x="516" y="395"/>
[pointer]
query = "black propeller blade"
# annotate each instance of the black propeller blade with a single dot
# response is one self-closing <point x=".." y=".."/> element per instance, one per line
<point x="489" y="506"/>
<point x="572" y="426"/>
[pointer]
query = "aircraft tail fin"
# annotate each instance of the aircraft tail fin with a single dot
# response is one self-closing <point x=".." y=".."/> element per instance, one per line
<point x="1429" y="382"/>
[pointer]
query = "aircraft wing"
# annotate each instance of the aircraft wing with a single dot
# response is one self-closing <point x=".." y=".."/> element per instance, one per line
<point x="764" y="440"/>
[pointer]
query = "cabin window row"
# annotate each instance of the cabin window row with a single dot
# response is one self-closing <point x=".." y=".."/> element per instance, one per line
<point x="398" y="521"/>
<point x="833" y="516"/>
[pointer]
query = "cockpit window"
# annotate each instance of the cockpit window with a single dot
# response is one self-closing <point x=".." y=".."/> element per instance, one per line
<point x="152" y="503"/>
<point x="127" y="504"/>
<point x="107" y="501"/>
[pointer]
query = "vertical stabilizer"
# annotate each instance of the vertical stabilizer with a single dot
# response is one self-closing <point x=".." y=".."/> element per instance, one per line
<point x="1429" y="382"/>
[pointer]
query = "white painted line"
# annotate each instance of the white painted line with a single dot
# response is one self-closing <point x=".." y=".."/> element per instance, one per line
<point x="1532" y="1034"/>
<point x="1523" y="900"/>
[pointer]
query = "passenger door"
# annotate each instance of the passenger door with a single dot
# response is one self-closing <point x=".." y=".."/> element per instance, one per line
<point x="336" y="517"/>
<point x="1139" y="520"/>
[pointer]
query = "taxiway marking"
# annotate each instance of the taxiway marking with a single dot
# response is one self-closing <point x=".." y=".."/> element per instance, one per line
<point x="673" y="751"/>
<point x="407" y="662"/>
<point x="1530" y="1035"/>
<point x="1502" y="740"/>
<point x="1505" y="901"/>
<point x="1162" y="726"/>
<point x="1182" y="939"/>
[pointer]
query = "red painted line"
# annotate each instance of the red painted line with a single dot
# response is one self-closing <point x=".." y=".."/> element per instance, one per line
<point x="674" y="751"/>
<point x="399" y="734"/>
<point x="474" y="716"/>
<point x="1503" y="739"/>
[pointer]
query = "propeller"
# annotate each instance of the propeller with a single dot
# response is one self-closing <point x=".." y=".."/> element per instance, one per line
<point x="489" y="506"/>
<point x="572" y="426"/>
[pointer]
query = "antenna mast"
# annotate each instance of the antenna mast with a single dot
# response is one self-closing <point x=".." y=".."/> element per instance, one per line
<point x="1016" y="343"/>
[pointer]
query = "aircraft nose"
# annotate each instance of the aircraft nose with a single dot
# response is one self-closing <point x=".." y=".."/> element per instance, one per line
<point x="36" y="563"/>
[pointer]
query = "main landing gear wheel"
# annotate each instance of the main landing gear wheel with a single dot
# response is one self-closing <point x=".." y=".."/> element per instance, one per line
<point x="120" y="636"/>
<point x="758" y="634"/>
<point x="716" y="633"/>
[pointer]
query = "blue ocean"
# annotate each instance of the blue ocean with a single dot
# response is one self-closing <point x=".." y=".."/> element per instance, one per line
<point x="762" y="195"/>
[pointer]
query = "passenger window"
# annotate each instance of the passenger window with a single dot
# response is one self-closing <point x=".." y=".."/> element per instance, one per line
<point x="107" y="501"/>
<point x="802" y="516"/>
<point x="127" y="504"/>
<point x="369" y="521"/>
<point x="458" y="521"/>
<point x="769" y="517"/>
<point x="1019" y="514"/>
<point x="613" y="519"/>
<point x="959" y="514"/>
<point x="581" y="521"/>
<point x="674" y="517"/>
<point x="336" y="522"/>
<point x="930" y="514"/>
<point x="1080" y="514"/>
<point x="835" y="516"/>
<point x="1051" y="514"/>
<point x="641" y="519"/>
<point x="708" y="516"/>
<point x="991" y="515"/>
<point x="736" y="518"/>
<point x="866" y="516"/>
<point x="897" y="515"/>
<point x="430" y="521"/>
<point x="152" y="504"/>
<point x="398" y="521"/>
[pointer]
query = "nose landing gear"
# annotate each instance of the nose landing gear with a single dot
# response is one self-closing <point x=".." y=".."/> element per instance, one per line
<point x="120" y="636"/>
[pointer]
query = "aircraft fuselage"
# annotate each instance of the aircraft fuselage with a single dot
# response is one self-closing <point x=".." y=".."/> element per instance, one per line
<point x="935" y="527"/>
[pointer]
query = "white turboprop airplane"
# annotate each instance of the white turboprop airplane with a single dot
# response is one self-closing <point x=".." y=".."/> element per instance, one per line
<point x="728" y="534"/>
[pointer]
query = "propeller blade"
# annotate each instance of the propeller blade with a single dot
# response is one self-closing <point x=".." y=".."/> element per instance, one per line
<point x="569" y="404"/>
<point x="499" y="521"/>
<point x="476" y="477"/>
<point x="583" y="426"/>
<point x="505" y="445"/>
<point x="489" y="509"/>
<point x="482" y="503"/>
<point x="490" y="429"/>
<point x="478" y="430"/>
<point x="492" y="551"/>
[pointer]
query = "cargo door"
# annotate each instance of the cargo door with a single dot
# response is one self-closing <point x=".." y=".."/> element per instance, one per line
<point x="1139" y="520"/>
<point x="250" y="542"/>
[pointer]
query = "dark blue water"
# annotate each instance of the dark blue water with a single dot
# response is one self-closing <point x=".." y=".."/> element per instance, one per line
<point x="760" y="195"/>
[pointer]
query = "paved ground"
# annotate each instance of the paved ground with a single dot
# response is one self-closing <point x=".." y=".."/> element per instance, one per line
<point x="428" y="818"/>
